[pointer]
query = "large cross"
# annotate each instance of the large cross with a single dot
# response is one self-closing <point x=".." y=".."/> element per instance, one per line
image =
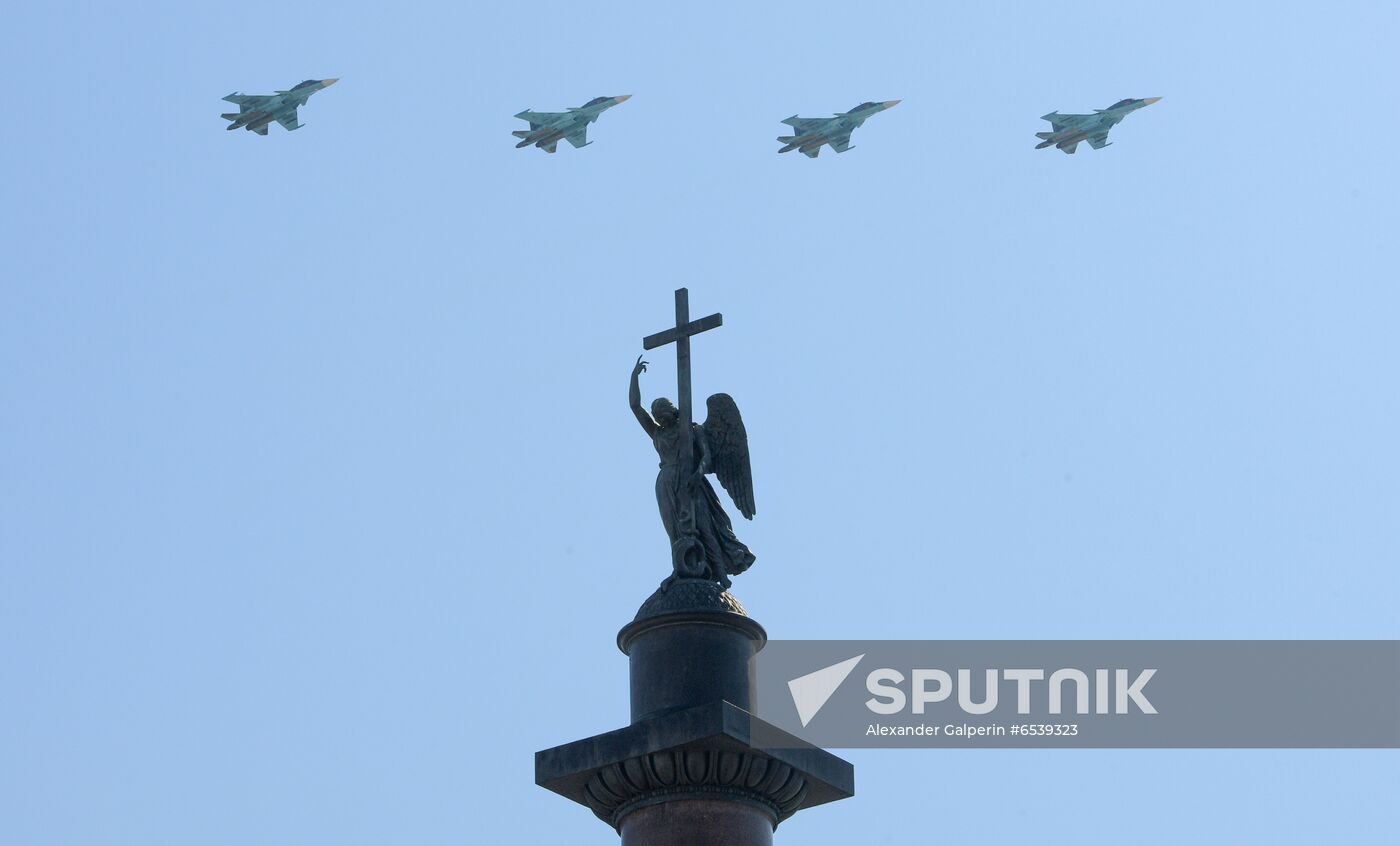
<point x="680" y="336"/>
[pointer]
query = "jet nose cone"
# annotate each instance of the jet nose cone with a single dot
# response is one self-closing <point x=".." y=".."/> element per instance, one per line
<point x="1150" y="100"/>
<point x="890" y="104"/>
<point x="327" y="83"/>
<point x="623" y="98"/>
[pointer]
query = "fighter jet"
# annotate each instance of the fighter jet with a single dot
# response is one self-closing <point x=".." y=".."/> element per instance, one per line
<point x="1066" y="131"/>
<point x="546" y="128"/>
<point x="812" y="133"/>
<point x="256" y="111"/>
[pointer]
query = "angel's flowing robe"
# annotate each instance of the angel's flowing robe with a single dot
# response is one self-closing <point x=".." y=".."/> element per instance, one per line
<point x="724" y="552"/>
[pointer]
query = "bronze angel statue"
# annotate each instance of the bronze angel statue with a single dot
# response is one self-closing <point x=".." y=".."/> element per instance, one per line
<point x="703" y="544"/>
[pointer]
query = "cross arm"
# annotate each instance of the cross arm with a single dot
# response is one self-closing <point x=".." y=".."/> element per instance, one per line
<point x="670" y="336"/>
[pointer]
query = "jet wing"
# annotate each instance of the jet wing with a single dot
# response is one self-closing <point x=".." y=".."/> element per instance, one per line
<point x="1099" y="141"/>
<point x="805" y="126"/>
<point x="840" y="142"/>
<point x="1059" y="122"/>
<point x="579" y="137"/>
<point x="289" y="120"/>
<point x="247" y="100"/>
<point x="538" y="119"/>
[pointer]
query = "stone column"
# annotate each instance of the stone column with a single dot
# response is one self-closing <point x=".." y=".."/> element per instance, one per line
<point x="686" y="772"/>
<point x="698" y="822"/>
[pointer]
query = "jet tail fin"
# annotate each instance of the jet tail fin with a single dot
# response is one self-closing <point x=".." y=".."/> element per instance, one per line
<point x="787" y="139"/>
<point x="229" y="116"/>
<point x="1044" y="136"/>
<point x="520" y="133"/>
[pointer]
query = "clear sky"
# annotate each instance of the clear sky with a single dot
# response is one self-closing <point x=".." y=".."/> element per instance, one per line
<point x="320" y="504"/>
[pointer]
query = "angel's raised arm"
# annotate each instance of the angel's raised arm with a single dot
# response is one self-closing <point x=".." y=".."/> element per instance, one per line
<point x="634" y="397"/>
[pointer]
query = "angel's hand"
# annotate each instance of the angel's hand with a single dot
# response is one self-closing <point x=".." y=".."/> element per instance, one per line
<point x="639" y="367"/>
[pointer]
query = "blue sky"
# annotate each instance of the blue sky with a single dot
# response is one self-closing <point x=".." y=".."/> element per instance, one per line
<point x="320" y="504"/>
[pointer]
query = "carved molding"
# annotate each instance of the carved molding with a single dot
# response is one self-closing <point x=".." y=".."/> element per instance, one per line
<point x="690" y="595"/>
<point x="616" y="790"/>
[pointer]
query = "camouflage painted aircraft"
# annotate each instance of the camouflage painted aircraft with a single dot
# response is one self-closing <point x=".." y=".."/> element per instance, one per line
<point x="547" y="128"/>
<point x="257" y="111"/>
<point x="1066" y="131"/>
<point x="812" y="133"/>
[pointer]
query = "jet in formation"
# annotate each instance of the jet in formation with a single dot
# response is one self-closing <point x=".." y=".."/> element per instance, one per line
<point x="257" y="111"/>
<point x="547" y="128"/>
<point x="812" y="133"/>
<point x="1066" y="131"/>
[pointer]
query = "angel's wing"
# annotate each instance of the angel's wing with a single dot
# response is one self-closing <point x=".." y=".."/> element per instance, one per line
<point x="729" y="451"/>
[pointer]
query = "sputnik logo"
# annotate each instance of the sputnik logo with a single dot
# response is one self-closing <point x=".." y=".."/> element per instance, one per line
<point x="812" y="691"/>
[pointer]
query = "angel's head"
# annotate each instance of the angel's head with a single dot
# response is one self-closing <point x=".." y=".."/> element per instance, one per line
<point x="663" y="412"/>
